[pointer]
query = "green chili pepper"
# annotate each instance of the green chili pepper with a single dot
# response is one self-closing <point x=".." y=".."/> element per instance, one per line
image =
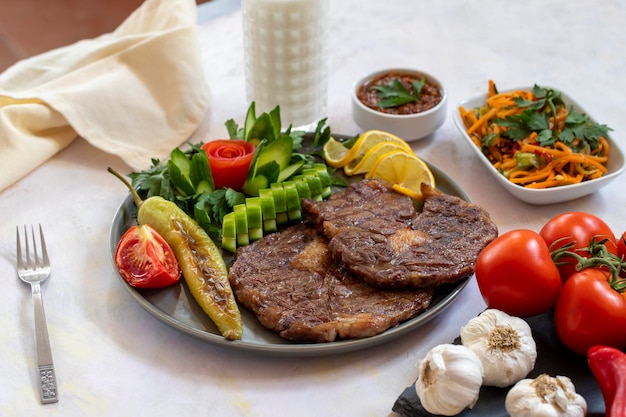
<point x="203" y="267"/>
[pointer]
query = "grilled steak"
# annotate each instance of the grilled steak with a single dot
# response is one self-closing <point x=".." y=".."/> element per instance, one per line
<point x="295" y="288"/>
<point x="377" y="235"/>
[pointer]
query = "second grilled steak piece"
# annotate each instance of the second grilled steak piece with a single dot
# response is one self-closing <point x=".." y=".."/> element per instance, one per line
<point x="388" y="250"/>
<point x="292" y="284"/>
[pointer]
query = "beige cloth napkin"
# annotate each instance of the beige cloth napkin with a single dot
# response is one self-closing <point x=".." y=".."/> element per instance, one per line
<point x="137" y="92"/>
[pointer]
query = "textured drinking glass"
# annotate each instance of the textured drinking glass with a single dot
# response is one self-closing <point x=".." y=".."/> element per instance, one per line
<point x="285" y="55"/>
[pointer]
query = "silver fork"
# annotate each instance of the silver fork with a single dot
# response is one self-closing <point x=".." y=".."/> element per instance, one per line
<point x="34" y="270"/>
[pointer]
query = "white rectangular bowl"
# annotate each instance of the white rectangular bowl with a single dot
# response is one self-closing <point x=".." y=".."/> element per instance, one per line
<point x="552" y="195"/>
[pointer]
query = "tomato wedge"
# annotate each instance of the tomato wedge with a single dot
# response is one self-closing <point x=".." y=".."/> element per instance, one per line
<point x="230" y="161"/>
<point x="145" y="260"/>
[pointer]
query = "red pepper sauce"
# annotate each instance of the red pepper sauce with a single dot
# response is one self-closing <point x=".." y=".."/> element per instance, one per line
<point x="430" y="95"/>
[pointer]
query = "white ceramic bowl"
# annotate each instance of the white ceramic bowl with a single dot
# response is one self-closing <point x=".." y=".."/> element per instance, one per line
<point x="409" y="127"/>
<point x="553" y="195"/>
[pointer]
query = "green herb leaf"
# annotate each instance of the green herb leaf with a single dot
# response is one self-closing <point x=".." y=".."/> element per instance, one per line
<point x="394" y="94"/>
<point x="200" y="171"/>
<point x="233" y="129"/>
<point x="298" y="137"/>
<point x="153" y="181"/>
<point x="321" y="135"/>
<point x="536" y="118"/>
<point x="578" y="125"/>
<point x="545" y="138"/>
<point x="233" y="197"/>
<point x="520" y="126"/>
<point x="417" y="87"/>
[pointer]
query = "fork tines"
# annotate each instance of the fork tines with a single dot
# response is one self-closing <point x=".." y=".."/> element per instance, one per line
<point x="35" y="261"/>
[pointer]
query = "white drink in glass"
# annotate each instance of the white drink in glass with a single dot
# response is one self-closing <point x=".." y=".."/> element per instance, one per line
<point x="285" y="56"/>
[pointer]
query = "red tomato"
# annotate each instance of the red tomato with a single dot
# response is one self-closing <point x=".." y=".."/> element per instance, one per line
<point x="590" y="312"/>
<point x="145" y="260"/>
<point x="515" y="274"/>
<point x="578" y="228"/>
<point x="229" y="160"/>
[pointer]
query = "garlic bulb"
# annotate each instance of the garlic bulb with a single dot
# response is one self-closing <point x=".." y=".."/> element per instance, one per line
<point x="503" y="343"/>
<point x="545" y="396"/>
<point x="450" y="377"/>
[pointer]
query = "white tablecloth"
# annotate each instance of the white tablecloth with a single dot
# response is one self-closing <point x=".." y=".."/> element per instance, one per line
<point x="114" y="359"/>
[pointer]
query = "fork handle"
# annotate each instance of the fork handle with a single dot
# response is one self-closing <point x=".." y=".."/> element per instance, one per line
<point x="47" y="379"/>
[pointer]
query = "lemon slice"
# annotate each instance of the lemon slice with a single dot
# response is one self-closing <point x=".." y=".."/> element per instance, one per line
<point x="337" y="155"/>
<point x="406" y="191"/>
<point x="365" y="164"/>
<point x="371" y="138"/>
<point x="405" y="170"/>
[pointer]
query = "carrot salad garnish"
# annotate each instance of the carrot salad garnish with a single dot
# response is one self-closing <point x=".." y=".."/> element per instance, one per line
<point x="535" y="140"/>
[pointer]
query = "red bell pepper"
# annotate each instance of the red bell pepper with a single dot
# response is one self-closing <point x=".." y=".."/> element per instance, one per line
<point x="608" y="365"/>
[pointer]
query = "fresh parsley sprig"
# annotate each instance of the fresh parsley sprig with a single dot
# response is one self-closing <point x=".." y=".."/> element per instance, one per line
<point x="396" y="94"/>
<point x="536" y="118"/>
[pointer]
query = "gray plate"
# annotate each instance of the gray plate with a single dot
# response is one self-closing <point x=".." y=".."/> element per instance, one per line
<point x="176" y="307"/>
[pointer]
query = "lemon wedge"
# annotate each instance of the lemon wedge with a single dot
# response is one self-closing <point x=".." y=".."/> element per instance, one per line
<point x="404" y="170"/>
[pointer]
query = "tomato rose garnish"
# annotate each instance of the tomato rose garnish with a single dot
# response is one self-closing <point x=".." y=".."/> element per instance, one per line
<point x="515" y="274"/>
<point x="229" y="160"/>
<point x="145" y="260"/>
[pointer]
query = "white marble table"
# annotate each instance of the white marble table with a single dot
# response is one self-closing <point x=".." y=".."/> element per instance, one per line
<point x="114" y="359"/>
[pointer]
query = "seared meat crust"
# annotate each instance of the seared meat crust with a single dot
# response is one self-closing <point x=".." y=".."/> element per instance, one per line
<point x="376" y="234"/>
<point x="291" y="282"/>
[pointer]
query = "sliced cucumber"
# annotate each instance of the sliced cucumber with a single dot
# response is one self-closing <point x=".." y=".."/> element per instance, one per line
<point x="303" y="188"/>
<point x="281" y="203"/>
<point x="320" y="171"/>
<point x="241" y="224"/>
<point x="200" y="173"/>
<point x="315" y="185"/>
<point x="179" y="167"/>
<point x="294" y="211"/>
<point x="255" y="218"/>
<point x="268" y="210"/>
<point x="229" y="232"/>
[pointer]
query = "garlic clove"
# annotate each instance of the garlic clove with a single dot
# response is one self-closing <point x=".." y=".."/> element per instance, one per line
<point x="545" y="396"/>
<point x="504" y="345"/>
<point x="449" y="380"/>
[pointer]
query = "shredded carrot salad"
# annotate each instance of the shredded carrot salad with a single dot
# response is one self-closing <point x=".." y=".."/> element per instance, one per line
<point x="535" y="140"/>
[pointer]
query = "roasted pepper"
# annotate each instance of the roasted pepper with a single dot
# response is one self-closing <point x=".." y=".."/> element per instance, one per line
<point x="608" y="365"/>
<point x="201" y="262"/>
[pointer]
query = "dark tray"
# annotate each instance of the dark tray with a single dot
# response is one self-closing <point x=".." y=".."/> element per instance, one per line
<point x="552" y="358"/>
